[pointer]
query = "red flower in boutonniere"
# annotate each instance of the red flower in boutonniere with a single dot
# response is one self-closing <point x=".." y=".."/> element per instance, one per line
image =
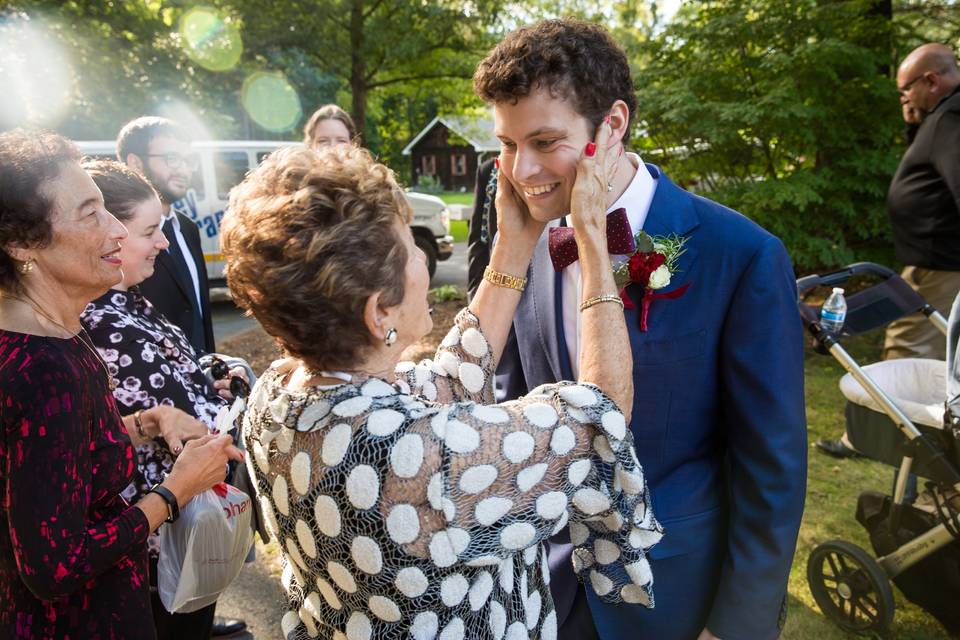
<point x="652" y="267"/>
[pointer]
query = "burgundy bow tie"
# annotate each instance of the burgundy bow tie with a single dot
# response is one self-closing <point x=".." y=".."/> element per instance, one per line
<point x="563" y="246"/>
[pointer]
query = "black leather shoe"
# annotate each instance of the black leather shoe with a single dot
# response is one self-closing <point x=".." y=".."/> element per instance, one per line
<point x="226" y="627"/>
<point x="837" y="449"/>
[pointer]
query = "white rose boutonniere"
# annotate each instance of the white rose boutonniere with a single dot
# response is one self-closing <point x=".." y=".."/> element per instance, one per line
<point x="659" y="278"/>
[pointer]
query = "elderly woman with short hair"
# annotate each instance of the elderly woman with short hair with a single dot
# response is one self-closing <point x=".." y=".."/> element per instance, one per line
<point x="151" y="361"/>
<point x="72" y="551"/>
<point x="406" y="503"/>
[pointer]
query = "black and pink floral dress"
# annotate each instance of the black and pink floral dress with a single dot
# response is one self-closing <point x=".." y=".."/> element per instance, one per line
<point x="73" y="561"/>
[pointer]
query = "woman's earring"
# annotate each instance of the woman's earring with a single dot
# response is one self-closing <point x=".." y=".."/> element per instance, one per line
<point x="391" y="337"/>
<point x="27" y="266"/>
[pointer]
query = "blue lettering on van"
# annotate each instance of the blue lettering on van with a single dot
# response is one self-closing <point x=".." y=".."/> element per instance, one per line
<point x="187" y="205"/>
<point x="211" y="224"/>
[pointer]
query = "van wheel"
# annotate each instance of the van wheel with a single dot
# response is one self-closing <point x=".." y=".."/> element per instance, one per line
<point x="430" y="249"/>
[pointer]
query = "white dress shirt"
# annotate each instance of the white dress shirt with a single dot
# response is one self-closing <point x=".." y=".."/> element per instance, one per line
<point x="172" y="219"/>
<point x="636" y="200"/>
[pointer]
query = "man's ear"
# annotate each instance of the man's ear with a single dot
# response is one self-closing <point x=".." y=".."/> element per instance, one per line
<point x="135" y="162"/>
<point x="619" y="121"/>
<point x="374" y="317"/>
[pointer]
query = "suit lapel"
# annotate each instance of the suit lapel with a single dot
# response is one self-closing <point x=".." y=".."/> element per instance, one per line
<point x="671" y="212"/>
<point x="543" y="287"/>
<point x="165" y="261"/>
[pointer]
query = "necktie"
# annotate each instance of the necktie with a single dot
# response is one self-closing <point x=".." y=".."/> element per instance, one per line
<point x="563" y="245"/>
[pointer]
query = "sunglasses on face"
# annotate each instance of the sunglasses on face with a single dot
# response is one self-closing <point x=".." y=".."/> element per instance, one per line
<point x="220" y="370"/>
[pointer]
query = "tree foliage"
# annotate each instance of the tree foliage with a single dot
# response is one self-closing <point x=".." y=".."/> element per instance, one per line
<point x="784" y="110"/>
<point x="371" y="45"/>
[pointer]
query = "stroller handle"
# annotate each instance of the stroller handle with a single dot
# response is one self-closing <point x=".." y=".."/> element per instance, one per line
<point x="840" y="276"/>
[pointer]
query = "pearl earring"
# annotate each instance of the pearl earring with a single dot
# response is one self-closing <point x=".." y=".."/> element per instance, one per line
<point x="26" y="267"/>
<point x="391" y="337"/>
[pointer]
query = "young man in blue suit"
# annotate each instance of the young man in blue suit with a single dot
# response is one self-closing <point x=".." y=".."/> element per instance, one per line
<point x="718" y="414"/>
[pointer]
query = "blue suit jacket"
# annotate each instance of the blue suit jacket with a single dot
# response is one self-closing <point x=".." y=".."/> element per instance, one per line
<point x="718" y="414"/>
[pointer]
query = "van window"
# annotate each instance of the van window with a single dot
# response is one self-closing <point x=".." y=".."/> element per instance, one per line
<point x="196" y="183"/>
<point x="229" y="167"/>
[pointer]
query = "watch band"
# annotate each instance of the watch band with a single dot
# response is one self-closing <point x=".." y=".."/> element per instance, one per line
<point x="504" y="280"/>
<point x="173" y="508"/>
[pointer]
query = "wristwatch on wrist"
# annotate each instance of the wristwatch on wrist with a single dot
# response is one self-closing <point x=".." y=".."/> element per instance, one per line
<point x="173" y="508"/>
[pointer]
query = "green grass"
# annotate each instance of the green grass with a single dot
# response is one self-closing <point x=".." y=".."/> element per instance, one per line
<point x="456" y="197"/>
<point x="832" y="489"/>
<point x="459" y="230"/>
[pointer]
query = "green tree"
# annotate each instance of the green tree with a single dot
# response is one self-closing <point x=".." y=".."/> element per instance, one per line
<point x="372" y="45"/>
<point x="784" y="110"/>
<point x="126" y="59"/>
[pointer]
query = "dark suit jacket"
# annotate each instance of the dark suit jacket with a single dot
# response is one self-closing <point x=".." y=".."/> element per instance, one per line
<point x="175" y="299"/>
<point x="718" y="415"/>
<point x="483" y="226"/>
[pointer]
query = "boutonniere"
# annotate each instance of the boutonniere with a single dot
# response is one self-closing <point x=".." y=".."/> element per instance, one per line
<point x="651" y="266"/>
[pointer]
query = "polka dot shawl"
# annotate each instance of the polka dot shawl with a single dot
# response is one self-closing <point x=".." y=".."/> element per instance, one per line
<point x="418" y="508"/>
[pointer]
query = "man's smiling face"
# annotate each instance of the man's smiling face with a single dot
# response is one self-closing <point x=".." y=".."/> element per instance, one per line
<point x="542" y="138"/>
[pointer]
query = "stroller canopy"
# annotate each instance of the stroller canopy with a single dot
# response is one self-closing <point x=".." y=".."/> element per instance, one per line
<point x="915" y="385"/>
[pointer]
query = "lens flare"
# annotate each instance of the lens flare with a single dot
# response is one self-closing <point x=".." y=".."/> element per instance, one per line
<point x="271" y="101"/>
<point x="210" y="40"/>
<point x="35" y="74"/>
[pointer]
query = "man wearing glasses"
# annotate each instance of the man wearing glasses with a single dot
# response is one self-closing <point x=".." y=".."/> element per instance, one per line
<point x="924" y="197"/>
<point x="160" y="150"/>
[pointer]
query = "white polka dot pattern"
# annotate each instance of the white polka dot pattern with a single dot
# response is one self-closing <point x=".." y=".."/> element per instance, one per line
<point x="518" y="446"/>
<point x="300" y="472"/>
<point x="366" y="555"/>
<point x="419" y="508"/>
<point x="411" y="582"/>
<point x="406" y="456"/>
<point x="403" y="524"/>
<point x="363" y="486"/>
<point x="489" y="510"/>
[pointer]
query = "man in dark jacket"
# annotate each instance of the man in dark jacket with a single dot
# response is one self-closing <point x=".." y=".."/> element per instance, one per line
<point x="924" y="197"/>
<point x="160" y="150"/>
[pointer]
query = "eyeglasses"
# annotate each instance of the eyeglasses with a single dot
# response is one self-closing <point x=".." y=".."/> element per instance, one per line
<point x="902" y="90"/>
<point x="220" y="370"/>
<point x="176" y="161"/>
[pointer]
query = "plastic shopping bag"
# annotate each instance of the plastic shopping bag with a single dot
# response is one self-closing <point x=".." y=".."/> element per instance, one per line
<point x="202" y="552"/>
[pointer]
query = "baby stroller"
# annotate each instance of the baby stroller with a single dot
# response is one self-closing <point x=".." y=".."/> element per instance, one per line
<point x="915" y="548"/>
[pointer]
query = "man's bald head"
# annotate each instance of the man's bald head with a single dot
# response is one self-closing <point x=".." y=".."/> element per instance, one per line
<point x="934" y="57"/>
<point x="927" y="75"/>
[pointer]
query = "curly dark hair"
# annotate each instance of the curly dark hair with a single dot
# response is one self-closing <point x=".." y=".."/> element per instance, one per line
<point x="308" y="238"/>
<point x="28" y="161"/>
<point x="570" y="58"/>
<point x="122" y="187"/>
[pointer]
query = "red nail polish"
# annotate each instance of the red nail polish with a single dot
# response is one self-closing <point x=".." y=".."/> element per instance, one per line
<point x="590" y="149"/>
<point x="496" y="163"/>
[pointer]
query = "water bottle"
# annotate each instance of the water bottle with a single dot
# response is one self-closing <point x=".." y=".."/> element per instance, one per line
<point x="834" y="312"/>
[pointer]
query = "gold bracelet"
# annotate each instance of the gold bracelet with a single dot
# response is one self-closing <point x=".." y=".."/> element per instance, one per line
<point x="609" y="297"/>
<point x="139" y="423"/>
<point x="504" y="280"/>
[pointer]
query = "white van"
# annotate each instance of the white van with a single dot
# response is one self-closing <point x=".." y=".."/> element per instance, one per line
<point x="224" y="163"/>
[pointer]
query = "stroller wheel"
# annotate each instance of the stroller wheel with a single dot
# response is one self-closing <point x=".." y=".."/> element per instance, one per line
<point x="850" y="587"/>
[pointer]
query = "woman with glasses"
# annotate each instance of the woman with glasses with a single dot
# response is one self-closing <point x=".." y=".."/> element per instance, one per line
<point x="150" y="360"/>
